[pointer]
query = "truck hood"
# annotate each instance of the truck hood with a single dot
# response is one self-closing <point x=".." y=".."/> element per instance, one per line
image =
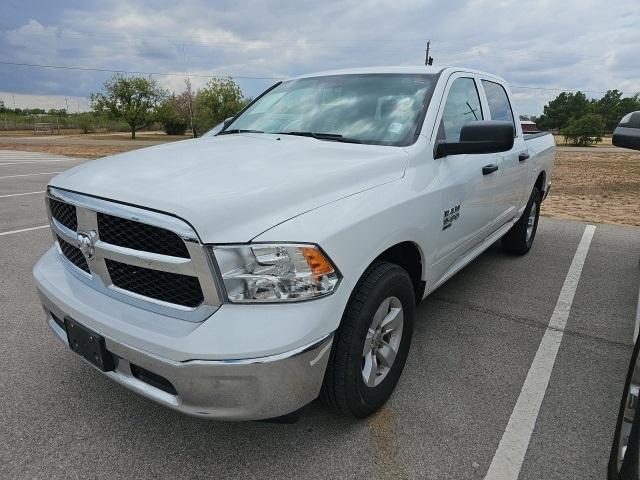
<point x="232" y="188"/>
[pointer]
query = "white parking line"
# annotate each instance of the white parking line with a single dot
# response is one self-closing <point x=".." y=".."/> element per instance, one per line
<point x="20" y="194"/>
<point x="636" y="329"/>
<point x="11" y="232"/>
<point x="28" y="175"/>
<point x="507" y="461"/>
<point x="43" y="161"/>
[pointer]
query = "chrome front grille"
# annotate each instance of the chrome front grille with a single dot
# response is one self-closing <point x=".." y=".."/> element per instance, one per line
<point x="64" y="213"/>
<point x="74" y="255"/>
<point x="168" y="287"/>
<point x="142" y="257"/>
<point x="140" y="236"/>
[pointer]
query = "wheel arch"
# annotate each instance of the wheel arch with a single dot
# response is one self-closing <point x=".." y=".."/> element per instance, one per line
<point x="408" y="255"/>
<point x="541" y="182"/>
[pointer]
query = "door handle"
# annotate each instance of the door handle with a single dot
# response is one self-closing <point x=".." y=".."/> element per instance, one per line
<point x="487" y="169"/>
<point x="522" y="157"/>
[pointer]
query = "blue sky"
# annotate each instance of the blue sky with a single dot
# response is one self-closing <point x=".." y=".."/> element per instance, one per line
<point x="573" y="44"/>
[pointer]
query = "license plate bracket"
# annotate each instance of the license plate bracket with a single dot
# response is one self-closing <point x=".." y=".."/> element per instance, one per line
<point x="88" y="344"/>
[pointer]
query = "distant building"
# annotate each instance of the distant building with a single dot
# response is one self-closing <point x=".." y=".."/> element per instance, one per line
<point x="528" y="126"/>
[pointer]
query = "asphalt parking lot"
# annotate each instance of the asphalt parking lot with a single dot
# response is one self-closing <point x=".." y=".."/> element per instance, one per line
<point x="475" y="341"/>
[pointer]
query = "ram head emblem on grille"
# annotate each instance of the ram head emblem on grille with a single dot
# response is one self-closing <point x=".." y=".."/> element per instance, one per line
<point x="86" y="244"/>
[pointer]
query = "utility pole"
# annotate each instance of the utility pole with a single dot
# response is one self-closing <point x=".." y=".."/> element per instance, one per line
<point x="187" y="82"/>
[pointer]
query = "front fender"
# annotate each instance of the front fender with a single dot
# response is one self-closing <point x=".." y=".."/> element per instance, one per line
<point x="354" y="231"/>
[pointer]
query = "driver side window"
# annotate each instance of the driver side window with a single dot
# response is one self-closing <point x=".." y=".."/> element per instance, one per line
<point x="462" y="107"/>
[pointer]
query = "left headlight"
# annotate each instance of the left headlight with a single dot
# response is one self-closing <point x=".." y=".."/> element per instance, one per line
<point x="275" y="272"/>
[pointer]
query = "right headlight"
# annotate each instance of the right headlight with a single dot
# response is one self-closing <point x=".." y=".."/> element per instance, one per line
<point x="266" y="273"/>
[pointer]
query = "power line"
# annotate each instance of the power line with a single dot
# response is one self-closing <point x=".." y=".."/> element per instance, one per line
<point x="134" y="72"/>
<point x="175" y="74"/>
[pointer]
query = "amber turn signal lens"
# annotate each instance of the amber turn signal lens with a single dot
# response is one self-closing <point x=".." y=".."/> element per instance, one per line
<point x="317" y="262"/>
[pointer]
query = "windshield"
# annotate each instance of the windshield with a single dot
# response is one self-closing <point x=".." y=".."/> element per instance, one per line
<point x="381" y="109"/>
<point x="214" y="131"/>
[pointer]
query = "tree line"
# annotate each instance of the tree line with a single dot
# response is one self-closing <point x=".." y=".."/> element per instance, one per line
<point x="54" y="112"/>
<point x="140" y="102"/>
<point x="585" y="121"/>
<point x="136" y="103"/>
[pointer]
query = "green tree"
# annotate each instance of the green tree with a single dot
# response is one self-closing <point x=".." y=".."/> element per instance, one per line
<point x="173" y="120"/>
<point x="607" y="108"/>
<point x="559" y="112"/>
<point x="86" y="122"/>
<point x="219" y="99"/>
<point x="33" y="111"/>
<point x="585" y="130"/>
<point x="624" y="106"/>
<point x="57" y="112"/>
<point x="132" y="99"/>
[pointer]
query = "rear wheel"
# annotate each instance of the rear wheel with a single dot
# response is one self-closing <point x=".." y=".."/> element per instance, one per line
<point x="520" y="238"/>
<point x="371" y="345"/>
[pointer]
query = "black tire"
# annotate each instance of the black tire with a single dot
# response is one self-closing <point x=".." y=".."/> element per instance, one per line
<point x="516" y="240"/>
<point x="344" y="389"/>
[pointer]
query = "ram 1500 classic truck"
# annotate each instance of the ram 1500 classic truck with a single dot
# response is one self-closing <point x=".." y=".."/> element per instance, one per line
<point x="244" y="274"/>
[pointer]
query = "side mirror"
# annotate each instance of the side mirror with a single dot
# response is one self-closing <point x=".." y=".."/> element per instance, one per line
<point x="627" y="133"/>
<point x="226" y="122"/>
<point x="482" y="136"/>
<point x="624" y="461"/>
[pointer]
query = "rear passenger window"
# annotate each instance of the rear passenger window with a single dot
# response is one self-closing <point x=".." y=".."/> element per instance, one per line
<point x="499" y="105"/>
<point x="462" y="107"/>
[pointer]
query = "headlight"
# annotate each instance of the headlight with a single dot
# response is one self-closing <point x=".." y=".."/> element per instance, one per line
<point x="275" y="272"/>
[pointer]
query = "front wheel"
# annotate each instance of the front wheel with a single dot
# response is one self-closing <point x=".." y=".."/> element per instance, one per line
<point x="371" y="345"/>
<point x="520" y="238"/>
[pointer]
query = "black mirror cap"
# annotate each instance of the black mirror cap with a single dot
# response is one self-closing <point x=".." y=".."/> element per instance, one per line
<point x="500" y="132"/>
<point x="481" y="136"/>
<point x="627" y="133"/>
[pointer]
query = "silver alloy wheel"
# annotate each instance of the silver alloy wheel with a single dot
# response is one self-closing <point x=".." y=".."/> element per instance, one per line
<point x="382" y="341"/>
<point x="532" y="220"/>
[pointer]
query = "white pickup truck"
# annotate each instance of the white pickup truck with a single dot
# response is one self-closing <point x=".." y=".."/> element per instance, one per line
<point x="244" y="274"/>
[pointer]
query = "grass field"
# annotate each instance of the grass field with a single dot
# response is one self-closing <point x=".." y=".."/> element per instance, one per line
<point x="606" y="141"/>
<point x="81" y="151"/>
<point x="80" y="145"/>
<point x="595" y="187"/>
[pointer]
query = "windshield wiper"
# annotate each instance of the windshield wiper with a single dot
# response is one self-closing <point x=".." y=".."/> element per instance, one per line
<point x="335" y="137"/>
<point x="238" y="130"/>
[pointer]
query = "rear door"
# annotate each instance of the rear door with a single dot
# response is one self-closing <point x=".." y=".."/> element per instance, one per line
<point x="468" y="211"/>
<point x="511" y="177"/>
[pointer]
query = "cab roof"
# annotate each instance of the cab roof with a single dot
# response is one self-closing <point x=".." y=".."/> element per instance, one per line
<point x="421" y="69"/>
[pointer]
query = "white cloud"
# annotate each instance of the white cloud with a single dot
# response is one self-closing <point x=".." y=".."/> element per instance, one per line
<point x="574" y="44"/>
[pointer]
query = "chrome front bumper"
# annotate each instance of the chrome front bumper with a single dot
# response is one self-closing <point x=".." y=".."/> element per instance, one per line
<point x="247" y="389"/>
<point x="238" y="388"/>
